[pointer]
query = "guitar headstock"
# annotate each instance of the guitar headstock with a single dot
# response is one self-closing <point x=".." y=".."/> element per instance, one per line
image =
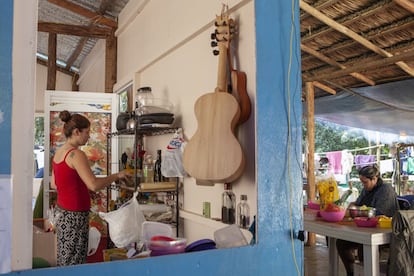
<point x="224" y="31"/>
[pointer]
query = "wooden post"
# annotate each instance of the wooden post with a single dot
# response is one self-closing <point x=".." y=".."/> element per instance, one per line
<point x="310" y="105"/>
<point x="110" y="63"/>
<point x="51" y="62"/>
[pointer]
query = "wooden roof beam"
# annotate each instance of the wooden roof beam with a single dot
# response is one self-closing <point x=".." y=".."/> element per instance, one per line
<point x="95" y="17"/>
<point x="76" y="30"/>
<point x="361" y="66"/>
<point x="324" y="87"/>
<point x="82" y="42"/>
<point x="406" y="4"/>
<point x="335" y="63"/>
<point x="348" y="32"/>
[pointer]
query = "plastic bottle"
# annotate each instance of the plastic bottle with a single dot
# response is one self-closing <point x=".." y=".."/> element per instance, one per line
<point x="243" y="213"/>
<point x="228" y="209"/>
<point x="148" y="169"/>
<point x="157" y="168"/>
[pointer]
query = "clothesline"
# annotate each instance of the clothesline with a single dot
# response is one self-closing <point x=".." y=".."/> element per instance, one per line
<point x="353" y="150"/>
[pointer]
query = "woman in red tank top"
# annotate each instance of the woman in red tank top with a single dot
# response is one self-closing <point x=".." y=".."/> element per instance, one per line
<point x="73" y="178"/>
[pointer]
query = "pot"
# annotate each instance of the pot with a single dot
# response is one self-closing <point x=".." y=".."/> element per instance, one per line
<point x="121" y="120"/>
<point x="131" y="123"/>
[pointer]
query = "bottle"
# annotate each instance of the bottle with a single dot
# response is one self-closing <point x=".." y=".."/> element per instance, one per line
<point x="228" y="207"/>
<point x="243" y="213"/>
<point x="148" y="169"/>
<point x="157" y="168"/>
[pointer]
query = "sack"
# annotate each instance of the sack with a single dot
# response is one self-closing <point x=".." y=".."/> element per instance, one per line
<point x="125" y="223"/>
<point x="172" y="161"/>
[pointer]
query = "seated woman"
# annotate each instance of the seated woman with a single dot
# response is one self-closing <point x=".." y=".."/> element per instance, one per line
<point x="377" y="194"/>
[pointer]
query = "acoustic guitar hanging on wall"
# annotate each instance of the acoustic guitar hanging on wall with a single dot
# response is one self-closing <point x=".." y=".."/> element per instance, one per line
<point x="214" y="153"/>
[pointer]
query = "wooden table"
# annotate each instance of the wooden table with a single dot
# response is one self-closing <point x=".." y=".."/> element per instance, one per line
<point x="370" y="238"/>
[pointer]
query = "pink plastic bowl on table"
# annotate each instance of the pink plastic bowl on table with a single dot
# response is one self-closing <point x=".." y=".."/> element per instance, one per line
<point x="313" y="205"/>
<point x="366" y="222"/>
<point x="332" y="216"/>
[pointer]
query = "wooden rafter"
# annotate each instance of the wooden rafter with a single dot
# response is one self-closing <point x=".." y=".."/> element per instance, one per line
<point x="406" y="4"/>
<point x="76" y="30"/>
<point x="324" y="87"/>
<point x="335" y="63"/>
<point x="348" y="32"/>
<point x="78" y="50"/>
<point x="362" y="66"/>
<point x="96" y="17"/>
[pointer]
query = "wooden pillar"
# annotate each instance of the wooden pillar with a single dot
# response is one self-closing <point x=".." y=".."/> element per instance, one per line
<point x="110" y="63"/>
<point x="310" y="105"/>
<point x="51" y="62"/>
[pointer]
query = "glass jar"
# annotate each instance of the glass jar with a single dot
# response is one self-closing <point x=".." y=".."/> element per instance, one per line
<point x="143" y="95"/>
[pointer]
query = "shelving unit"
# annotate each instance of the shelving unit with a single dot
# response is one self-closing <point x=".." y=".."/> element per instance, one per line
<point x="171" y="188"/>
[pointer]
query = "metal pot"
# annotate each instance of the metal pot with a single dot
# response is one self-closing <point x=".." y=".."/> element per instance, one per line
<point x="131" y="123"/>
<point x="121" y="120"/>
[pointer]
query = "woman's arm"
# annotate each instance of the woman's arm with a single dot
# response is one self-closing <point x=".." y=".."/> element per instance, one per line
<point x="78" y="160"/>
<point x="52" y="181"/>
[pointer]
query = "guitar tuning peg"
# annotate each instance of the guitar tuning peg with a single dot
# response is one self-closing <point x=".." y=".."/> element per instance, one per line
<point x="213" y="36"/>
<point x="216" y="52"/>
<point x="213" y="43"/>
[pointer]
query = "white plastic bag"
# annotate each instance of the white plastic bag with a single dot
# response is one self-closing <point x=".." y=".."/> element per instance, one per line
<point x="125" y="223"/>
<point x="172" y="161"/>
<point x="94" y="239"/>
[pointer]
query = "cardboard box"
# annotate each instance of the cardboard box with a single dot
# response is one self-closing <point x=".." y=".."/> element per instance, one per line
<point x="44" y="243"/>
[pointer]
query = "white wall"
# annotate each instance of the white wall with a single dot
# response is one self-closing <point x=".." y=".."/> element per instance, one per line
<point x="172" y="54"/>
<point x="92" y="70"/>
<point x="63" y="82"/>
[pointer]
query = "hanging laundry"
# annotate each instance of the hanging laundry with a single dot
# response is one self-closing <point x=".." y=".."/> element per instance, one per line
<point x="364" y="160"/>
<point x="386" y="166"/>
<point x="335" y="160"/>
<point x="410" y="165"/>
<point x="347" y="161"/>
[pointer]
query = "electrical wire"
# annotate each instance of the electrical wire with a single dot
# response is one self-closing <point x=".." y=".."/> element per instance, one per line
<point x="289" y="136"/>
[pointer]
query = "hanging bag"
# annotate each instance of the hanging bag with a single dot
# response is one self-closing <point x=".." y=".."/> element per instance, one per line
<point x="125" y="223"/>
<point x="172" y="161"/>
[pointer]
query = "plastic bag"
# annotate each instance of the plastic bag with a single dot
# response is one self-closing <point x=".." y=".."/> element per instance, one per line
<point x="327" y="190"/>
<point x="172" y="161"/>
<point x="93" y="241"/>
<point x="125" y="223"/>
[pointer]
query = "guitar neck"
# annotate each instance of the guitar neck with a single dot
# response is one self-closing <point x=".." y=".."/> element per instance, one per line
<point x="222" y="69"/>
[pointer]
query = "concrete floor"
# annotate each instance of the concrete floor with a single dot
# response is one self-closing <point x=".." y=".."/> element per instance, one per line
<point x="316" y="259"/>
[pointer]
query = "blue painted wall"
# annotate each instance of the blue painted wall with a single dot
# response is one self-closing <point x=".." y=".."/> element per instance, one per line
<point x="6" y="43"/>
<point x="277" y="252"/>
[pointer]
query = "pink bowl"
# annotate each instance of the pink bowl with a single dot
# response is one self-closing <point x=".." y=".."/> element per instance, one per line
<point x="366" y="222"/>
<point x="332" y="216"/>
<point x="313" y="205"/>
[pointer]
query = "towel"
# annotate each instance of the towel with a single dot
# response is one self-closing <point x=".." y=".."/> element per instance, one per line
<point x="335" y="160"/>
<point x="386" y="166"/>
<point x="347" y="162"/>
<point x="364" y="160"/>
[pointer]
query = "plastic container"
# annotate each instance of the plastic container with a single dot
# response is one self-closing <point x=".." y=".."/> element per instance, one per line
<point x="332" y="216"/>
<point x="366" y="222"/>
<point x="385" y="222"/>
<point x="229" y="236"/>
<point x="167" y="247"/>
<point x="151" y="229"/>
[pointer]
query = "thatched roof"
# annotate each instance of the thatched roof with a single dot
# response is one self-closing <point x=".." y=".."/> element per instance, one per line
<point x="345" y="43"/>
<point x="356" y="43"/>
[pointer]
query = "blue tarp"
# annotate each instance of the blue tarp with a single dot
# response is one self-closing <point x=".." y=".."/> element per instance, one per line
<point x="384" y="108"/>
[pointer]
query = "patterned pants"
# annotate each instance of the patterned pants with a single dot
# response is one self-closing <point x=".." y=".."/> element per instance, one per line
<point x="72" y="231"/>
